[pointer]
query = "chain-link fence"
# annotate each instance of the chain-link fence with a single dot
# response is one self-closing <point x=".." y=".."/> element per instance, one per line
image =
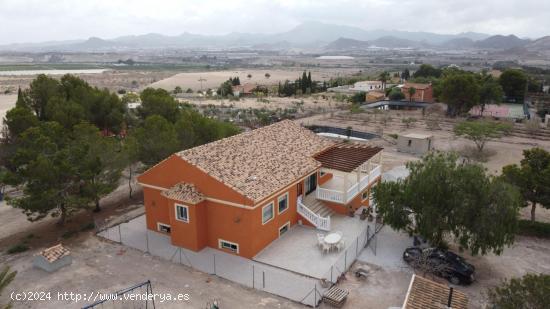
<point x="286" y="283"/>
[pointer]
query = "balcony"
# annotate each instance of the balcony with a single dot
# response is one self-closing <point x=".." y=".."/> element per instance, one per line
<point x="342" y="188"/>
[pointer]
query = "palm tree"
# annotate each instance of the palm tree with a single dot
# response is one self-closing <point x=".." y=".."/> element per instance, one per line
<point x="6" y="277"/>
<point x="412" y="91"/>
<point x="384" y="77"/>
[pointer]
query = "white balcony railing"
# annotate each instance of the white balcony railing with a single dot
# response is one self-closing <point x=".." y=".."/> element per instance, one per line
<point x="337" y="196"/>
<point x="322" y="223"/>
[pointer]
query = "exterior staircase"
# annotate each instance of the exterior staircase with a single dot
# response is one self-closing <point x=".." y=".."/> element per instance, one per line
<point x="315" y="212"/>
<point x="317" y="206"/>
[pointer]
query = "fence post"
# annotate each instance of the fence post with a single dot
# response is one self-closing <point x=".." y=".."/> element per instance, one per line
<point x="357" y="245"/>
<point x="214" y="264"/>
<point x="331" y="272"/>
<point x="119" y="234"/>
<point x="252" y="275"/>
<point x="147" y="240"/>
<point x="315" y="298"/>
<point x="263" y="280"/>
<point x="345" y="260"/>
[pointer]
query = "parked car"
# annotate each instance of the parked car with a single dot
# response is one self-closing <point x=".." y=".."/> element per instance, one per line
<point x="442" y="263"/>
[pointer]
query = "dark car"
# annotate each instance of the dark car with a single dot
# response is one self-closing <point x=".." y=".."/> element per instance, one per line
<point x="443" y="263"/>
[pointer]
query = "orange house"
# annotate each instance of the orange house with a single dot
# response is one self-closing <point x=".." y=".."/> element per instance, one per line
<point x="241" y="193"/>
<point x="423" y="92"/>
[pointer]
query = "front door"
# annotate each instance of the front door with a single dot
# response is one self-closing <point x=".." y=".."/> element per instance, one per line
<point x="311" y="183"/>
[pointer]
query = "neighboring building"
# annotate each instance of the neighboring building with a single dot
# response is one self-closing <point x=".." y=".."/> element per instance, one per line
<point x="366" y="86"/>
<point x="241" y="193"/>
<point x="53" y="258"/>
<point x="415" y="143"/>
<point x="244" y="90"/>
<point x="424" y="92"/>
<point x="427" y="294"/>
<point x="375" y="96"/>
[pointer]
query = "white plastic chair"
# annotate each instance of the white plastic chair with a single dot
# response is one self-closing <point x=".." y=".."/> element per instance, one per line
<point x="326" y="247"/>
<point x="320" y="240"/>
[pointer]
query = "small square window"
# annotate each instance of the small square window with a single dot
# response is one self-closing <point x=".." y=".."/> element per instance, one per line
<point x="182" y="213"/>
<point x="224" y="244"/>
<point x="267" y="213"/>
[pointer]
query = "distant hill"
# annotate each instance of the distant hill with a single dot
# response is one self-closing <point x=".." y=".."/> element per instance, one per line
<point x="542" y="44"/>
<point x="309" y="35"/>
<point x="459" y="43"/>
<point x="347" y="44"/>
<point x="501" y="42"/>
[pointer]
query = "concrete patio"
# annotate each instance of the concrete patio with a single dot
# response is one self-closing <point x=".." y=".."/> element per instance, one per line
<point x="297" y="250"/>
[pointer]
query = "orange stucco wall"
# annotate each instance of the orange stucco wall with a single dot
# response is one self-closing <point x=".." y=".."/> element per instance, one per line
<point x="210" y="221"/>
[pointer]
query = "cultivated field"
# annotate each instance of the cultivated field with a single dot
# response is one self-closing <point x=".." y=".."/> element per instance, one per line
<point x="215" y="78"/>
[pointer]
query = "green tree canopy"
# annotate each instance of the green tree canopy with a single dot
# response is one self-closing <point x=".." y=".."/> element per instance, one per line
<point x="443" y="198"/>
<point x="157" y="139"/>
<point x="514" y="84"/>
<point x="158" y="102"/>
<point x="490" y="91"/>
<point x="531" y="291"/>
<point x="532" y="177"/>
<point x="460" y="90"/>
<point x="481" y="131"/>
<point x="427" y="70"/>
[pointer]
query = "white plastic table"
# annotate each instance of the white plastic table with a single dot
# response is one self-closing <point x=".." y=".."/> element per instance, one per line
<point x="333" y="238"/>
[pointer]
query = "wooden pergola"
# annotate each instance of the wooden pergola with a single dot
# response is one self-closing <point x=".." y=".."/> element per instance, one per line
<point x="347" y="157"/>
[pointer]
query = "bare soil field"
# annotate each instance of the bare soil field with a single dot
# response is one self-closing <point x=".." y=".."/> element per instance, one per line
<point x="315" y="102"/>
<point x="112" y="80"/>
<point x="7" y="101"/>
<point x="215" y="78"/>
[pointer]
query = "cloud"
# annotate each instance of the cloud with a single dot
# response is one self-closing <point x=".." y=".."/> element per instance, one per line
<point x="38" y="20"/>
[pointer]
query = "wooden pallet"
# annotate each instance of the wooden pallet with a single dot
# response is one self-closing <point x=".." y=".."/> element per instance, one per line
<point x="335" y="296"/>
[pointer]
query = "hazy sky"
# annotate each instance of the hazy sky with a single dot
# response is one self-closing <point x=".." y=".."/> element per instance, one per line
<point x="44" y="20"/>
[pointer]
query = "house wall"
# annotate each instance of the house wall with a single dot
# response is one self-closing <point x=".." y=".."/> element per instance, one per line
<point x="355" y="204"/>
<point x="421" y="95"/>
<point x="417" y="145"/>
<point x="211" y="220"/>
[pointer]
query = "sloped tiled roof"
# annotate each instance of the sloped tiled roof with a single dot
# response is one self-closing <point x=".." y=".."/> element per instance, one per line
<point x="184" y="192"/>
<point x="54" y="253"/>
<point x="260" y="162"/>
<point x="417" y="86"/>
<point x="427" y="294"/>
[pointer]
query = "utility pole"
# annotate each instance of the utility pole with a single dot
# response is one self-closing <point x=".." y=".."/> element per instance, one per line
<point x="201" y="80"/>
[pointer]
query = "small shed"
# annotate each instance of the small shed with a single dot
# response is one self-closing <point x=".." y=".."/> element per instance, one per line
<point x="415" y="143"/>
<point x="53" y="258"/>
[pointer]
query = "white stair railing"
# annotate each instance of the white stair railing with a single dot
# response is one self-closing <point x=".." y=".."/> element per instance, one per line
<point x="322" y="223"/>
<point x="330" y="195"/>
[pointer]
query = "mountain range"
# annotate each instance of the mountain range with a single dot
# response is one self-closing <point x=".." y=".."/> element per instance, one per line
<point x="310" y="35"/>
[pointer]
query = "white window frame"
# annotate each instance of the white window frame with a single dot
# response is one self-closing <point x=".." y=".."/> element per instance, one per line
<point x="272" y="204"/>
<point x="220" y="246"/>
<point x="159" y="224"/>
<point x="285" y="195"/>
<point x="177" y="214"/>
<point x="282" y="226"/>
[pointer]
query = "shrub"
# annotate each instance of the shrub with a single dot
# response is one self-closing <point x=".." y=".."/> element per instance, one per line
<point x="69" y="234"/>
<point x="18" y="248"/>
<point x="536" y="229"/>
<point x="88" y="227"/>
<point x="393" y="135"/>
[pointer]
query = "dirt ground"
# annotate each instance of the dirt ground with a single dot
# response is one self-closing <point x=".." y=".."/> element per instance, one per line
<point x="205" y="80"/>
<point x="112" y="80"/>
<point x="319" y="103"/>
<point x="7" y="101"/>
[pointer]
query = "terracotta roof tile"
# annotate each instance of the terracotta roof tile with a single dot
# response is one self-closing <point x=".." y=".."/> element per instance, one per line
<point x="54" y="253"/>
<point x="184" y="192"/>
<point x="260" y="162"/>
<point x="417" y="86"/>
